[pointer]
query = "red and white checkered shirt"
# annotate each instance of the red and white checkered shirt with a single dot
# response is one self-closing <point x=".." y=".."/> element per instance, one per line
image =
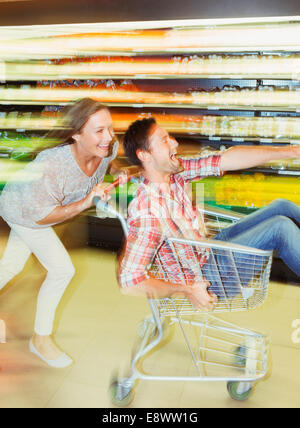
<point x="154" y="216"/>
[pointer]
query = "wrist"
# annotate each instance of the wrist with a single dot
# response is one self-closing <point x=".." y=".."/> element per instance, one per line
<point x="186" y="291"/>
<point x="67" y="213"/>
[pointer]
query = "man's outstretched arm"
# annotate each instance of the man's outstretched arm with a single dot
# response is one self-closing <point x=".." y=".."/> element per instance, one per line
<point x="243" y="157"/>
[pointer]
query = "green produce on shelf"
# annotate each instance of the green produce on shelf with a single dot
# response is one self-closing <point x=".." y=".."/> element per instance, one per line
<point x="9" y="168"/>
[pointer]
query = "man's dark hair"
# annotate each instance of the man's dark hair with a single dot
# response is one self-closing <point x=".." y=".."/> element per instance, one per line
<point x="136" y="138"/>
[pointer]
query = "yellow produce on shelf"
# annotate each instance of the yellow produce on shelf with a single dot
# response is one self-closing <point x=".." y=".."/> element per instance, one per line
<point x="249" y="190"/>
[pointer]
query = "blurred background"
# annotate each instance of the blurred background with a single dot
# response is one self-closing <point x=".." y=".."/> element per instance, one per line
<point x="229" y="77"/>
<point x="214" y="74"/>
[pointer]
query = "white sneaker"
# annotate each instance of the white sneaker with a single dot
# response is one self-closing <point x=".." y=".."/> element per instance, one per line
<point x="60" y="362"/>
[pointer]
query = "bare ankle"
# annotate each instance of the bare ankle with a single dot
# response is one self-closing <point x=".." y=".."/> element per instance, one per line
<point x="38" y="339"/>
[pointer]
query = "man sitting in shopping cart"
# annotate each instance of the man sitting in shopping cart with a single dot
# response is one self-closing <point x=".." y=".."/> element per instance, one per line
<point x="162" y="208"/>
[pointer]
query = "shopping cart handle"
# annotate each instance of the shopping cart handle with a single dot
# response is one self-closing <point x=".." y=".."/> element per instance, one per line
<point x="103" y="206"/>
<point x="122" y="180"/>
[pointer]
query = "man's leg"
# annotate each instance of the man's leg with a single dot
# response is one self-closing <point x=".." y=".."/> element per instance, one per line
<point x="276" y="233"/>
<point x="270" y="228"/>
<point x="279" y="207"/>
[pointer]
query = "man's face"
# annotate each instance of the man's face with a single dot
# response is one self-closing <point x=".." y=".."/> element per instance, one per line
<point x="163" y="150"/>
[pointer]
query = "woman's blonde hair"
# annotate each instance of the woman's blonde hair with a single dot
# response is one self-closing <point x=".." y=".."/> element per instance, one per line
<point x="74" y="117"/>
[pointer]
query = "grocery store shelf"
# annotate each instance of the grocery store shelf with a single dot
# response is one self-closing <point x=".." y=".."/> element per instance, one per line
<point x="219" y="93"/>
<point x="88" y="75"/>
<point x="277" y="171"/>
<point x="292" y="109"/>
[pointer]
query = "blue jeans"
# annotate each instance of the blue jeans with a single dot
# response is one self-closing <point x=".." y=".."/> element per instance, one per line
<point x="274" y="227"/>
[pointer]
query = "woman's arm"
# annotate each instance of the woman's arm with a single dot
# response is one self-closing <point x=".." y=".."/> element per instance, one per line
<point x="66" y="212"/>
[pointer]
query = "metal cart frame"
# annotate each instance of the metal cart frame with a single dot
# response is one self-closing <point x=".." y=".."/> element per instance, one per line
<point x="241" y="354"/>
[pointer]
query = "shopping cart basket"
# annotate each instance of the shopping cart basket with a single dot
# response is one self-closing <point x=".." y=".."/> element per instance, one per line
<point x="219" y="350"/>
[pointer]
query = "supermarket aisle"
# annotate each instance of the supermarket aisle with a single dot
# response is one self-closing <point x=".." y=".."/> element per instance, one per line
<point x="97" y="326"/>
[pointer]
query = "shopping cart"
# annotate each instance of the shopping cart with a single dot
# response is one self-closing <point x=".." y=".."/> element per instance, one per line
<point x="219" y="350"/>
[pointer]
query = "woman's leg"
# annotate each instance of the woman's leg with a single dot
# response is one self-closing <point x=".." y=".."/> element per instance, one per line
<point x="51" y="253"/>
<point x="14" y="258"/>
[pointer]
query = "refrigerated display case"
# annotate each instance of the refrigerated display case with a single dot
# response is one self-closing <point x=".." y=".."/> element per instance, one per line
<point x="212" y="84"/>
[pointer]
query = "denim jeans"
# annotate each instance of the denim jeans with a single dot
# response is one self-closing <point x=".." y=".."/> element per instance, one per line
<point x="274" y="227"/>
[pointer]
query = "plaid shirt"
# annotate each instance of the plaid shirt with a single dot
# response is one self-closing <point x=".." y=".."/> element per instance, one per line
<point x="154" y="216"/>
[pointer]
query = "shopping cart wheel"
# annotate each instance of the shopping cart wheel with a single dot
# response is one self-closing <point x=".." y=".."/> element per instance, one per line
<point x="237" y="390"/>
<point x="119" y="395"/>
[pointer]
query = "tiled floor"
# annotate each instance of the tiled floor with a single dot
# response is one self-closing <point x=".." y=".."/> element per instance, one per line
<point x="97" y="326"/>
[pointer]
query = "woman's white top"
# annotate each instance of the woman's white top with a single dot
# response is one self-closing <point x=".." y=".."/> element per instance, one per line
<point x="52" y="179"/>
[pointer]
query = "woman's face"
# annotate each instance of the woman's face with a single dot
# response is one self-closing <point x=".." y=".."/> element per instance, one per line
<point x="97" y="135"/>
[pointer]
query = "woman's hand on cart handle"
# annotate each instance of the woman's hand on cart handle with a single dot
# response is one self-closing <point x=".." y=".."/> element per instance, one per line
<point x="100" y="191"/>
<point x="200" y="297"/>
<point x="122" y="179"/>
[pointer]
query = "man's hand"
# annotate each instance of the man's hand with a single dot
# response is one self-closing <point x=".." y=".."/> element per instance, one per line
<point x="152" y="288"/>
<point x="200" y="297"/>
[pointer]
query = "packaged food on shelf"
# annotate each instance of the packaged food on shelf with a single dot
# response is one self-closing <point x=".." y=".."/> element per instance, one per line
<point x="84" y="67"/>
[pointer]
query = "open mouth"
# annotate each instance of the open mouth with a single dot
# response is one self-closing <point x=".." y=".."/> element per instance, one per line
<point x="103" y="147"/>
<point x="173" y="157"/>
